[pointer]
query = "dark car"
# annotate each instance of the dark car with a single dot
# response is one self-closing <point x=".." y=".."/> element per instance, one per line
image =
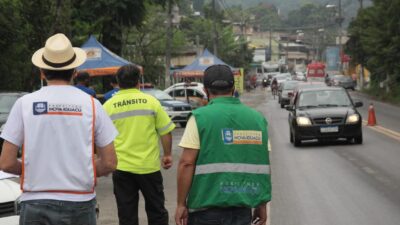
<point x="285" y="92"/>
<point x="178" y="111"/>
<point x="343" y="81"/>
<point x="7" y="100"/>
<point x="305" y="85"/>
<point x="324" y="114"/>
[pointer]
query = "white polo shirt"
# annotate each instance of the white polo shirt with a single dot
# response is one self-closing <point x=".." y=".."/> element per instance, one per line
<point x="58" y="127"/>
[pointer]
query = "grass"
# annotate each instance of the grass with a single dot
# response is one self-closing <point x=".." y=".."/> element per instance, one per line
<point x="378" y="93"/>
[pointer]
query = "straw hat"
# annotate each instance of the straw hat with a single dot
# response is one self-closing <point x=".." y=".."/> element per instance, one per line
<point x="58" y="54"/>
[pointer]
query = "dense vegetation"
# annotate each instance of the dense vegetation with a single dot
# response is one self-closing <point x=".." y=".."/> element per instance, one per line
<point x="136" y="30"/>
<point x="375" y="43"/>
<point x="287" y="6"/>
<point x="26" y="24"/>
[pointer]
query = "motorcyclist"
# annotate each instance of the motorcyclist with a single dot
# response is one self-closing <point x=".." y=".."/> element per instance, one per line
<point x="274" y="84"/>
<point x="264" y="82"/>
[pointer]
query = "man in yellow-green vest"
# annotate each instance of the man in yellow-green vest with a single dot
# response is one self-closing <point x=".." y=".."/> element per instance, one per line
<point x="224" y="168"/>
<point x="140" y="121"/>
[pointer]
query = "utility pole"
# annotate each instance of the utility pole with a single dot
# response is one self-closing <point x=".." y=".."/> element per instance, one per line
<point x="198" y="51"/>
<point x="340" y="36"/>
<point x="243" y="34"/>
<point x="361" y="85"/>
<point x="215" y="33"/>
<point x="168" y="45"/>
<point x="287" y="51"/>
<point x="317" y="47"/>
<point x="270" y="43"/>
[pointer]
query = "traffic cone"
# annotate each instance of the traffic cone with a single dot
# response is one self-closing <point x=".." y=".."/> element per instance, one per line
<point x="371" y="115"/>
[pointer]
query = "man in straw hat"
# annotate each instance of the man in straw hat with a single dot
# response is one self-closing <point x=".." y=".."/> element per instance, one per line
<point x="224" y="170"/>
<point x="59" y="127"/>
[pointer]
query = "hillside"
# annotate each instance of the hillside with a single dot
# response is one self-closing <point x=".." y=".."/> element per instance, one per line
<point x="350" y="7"/>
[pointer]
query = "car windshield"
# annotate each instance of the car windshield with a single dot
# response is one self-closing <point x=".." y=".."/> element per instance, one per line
<point x="281" y="77"/>
<point x="347" y="79"/>
<point x="324" y="98"/>
<point x="158" y="94"/>
<point x="6" y="103"/>
<point x="312" y="85"/>
<point x="339" y="77"/>
<point x="289" y="85"/>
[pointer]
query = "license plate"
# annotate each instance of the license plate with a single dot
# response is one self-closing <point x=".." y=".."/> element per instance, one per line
<point x="332" y="129"/>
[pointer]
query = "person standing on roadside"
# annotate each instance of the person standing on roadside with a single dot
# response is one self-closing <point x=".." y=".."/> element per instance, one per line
<point x="224" y="168"/>
<point x="83" y="82"/>
<point x="141" y="122"/>
<point x="59" y="128"/>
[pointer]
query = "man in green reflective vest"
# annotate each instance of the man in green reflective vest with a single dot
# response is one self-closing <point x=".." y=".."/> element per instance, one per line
<point x="224" y="168"/>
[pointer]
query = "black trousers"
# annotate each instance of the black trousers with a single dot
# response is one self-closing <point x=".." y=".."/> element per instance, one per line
<point x="126" y="191"/>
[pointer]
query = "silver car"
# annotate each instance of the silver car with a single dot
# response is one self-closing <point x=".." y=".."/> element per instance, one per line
<point x="343" y="81"/>
<point x="7" y="100"/>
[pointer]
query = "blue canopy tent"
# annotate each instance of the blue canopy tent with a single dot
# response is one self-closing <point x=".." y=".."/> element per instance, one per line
<point x="100" y="61"/>
<point x="199" y="65"/>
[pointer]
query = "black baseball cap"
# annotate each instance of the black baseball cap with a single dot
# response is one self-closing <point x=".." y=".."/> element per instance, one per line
<point x="218" y="77"/>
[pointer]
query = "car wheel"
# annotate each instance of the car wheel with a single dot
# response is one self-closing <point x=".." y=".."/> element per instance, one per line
<point x="358" y="139"/>
<point x="183" y="124"/>
<point x="282" y="105"/>
<point x="296" y="141"/>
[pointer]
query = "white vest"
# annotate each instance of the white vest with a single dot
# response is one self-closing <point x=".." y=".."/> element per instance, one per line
<point x="58" y="150"/>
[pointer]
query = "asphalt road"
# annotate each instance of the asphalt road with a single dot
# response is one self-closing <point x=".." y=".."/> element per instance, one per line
<point x="334" y="183"/>
<point x="386" y="115"/>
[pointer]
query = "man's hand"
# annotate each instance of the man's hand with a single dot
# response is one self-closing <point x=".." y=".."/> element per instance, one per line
<point x="166" y="161"/>
<point x="166" y="141"/>
<point x="181" y="215"/>
<point x="8" y="159"/>
<point x="106" y="161"/>
<point x="261" y="213"/>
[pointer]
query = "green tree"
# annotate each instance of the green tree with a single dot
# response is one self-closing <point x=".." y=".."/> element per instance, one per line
<point x="310" y="15"/>
<point x="375" y="34"/>
<point x="354" y="46"/>
<point x="147" y="48"/>
<point x="231" y="49"/>
<point x="114" y="15"/>
<point x="14" y="54"/>
<point x="266" y="16"/>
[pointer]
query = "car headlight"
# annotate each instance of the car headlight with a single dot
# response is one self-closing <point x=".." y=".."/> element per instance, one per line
<point x="303" y="121"/>
<point x="168" y="108"/>
<point x="354" y="118"/>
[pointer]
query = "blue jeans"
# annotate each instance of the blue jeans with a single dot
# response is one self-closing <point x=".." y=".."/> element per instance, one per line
<point x="221" y="216"/>
<point x="54" y="212"/>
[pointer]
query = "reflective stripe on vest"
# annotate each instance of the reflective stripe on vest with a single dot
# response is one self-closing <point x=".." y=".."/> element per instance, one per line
<point x="132" y="113"/>
<point x="232" y="168"/>
<point x="162" y="129"/>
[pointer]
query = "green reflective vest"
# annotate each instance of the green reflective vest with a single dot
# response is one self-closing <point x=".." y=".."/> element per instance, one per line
<point x="232" y="168"/>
